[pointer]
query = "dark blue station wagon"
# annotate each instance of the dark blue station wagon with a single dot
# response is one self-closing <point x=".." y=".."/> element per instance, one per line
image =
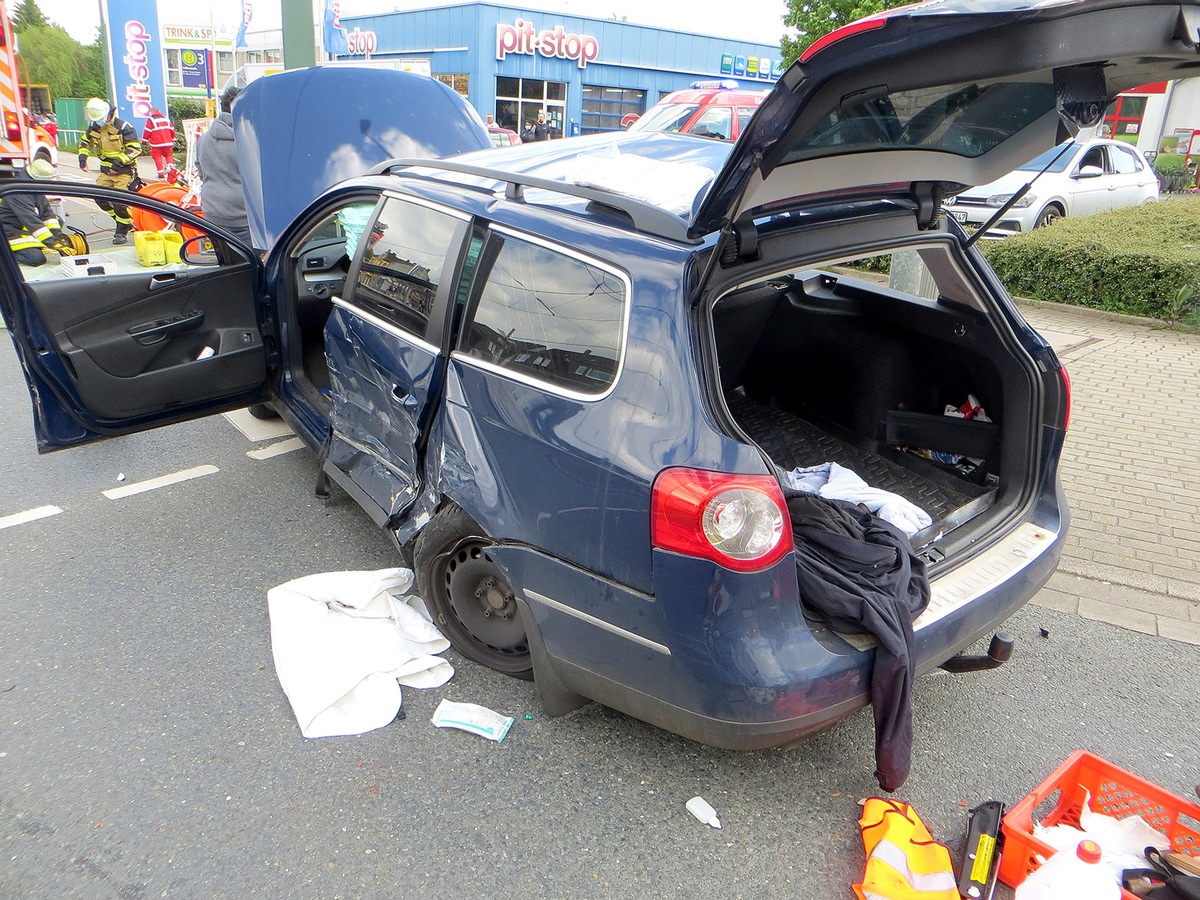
<point x="566" y="377"/>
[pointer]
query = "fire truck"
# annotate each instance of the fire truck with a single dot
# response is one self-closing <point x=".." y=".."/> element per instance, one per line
<point x="14" y="140"/>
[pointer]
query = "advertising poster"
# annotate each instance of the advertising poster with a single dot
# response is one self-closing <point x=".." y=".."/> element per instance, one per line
<point x="135" y="57"/>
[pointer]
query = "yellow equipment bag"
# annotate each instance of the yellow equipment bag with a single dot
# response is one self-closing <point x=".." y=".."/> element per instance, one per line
<point x="904" y="862"/>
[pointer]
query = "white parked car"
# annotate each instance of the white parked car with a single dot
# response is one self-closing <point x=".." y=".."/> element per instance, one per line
<point x="1089" y="177"/>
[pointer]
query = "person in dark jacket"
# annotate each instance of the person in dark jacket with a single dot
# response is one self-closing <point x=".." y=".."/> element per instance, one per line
<point x="221" y="195"/>
<point x="28" y="222"/>
<point x="527" y="132"/>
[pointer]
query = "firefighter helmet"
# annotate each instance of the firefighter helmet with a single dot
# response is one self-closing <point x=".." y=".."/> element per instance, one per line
<point x="97" y="110"/>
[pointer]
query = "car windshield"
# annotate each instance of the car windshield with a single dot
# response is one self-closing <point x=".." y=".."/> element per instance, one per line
<point x="1060" y="165"/>
<point x="669" y="117"/>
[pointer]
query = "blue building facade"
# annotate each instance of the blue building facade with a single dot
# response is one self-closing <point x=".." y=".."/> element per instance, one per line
<point x="585" y="74"/>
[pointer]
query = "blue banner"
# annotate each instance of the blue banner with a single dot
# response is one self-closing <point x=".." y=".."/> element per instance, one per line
<point x="135" y="57"/>
<point x="335" y="37"/>
<point x="239" y="42"/>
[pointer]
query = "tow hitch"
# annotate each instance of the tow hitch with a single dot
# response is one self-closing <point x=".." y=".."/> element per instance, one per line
<point x="999" y="652"/>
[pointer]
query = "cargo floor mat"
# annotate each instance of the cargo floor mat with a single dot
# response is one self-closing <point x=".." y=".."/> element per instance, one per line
<point x="791" y="442"/>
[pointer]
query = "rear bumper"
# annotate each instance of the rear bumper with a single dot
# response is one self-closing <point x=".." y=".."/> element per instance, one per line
<point x="744" y="670"/>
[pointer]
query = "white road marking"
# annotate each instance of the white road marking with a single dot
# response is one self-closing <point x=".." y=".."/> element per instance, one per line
<point x="29" y="515"/>
<point x="277" y="449"/>
<point x="140" y="487"/>
<point x="257" y="429"/>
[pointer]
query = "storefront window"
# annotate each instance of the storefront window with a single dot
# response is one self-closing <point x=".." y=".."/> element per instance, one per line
<point x="457" y="82"/>
<point x="604" y="107"/>
<point x="174" y="75"/>
<point x="1123" y="118"/>
<point x="518" y="99"/>
<point x="224" y="62"/>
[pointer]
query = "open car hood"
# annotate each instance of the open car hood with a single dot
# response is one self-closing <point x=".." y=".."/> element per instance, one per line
<point x="302" y="131"/>
<point x="945" y="93"/>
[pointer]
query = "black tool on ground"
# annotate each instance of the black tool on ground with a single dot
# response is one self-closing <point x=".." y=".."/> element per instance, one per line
<point x="999" y="652"/>
<point x="981" y="856"/>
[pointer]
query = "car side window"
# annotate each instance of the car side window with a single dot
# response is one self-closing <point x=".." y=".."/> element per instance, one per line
<point x="549" y="315"/>
<point x="715" y="122"/>
<point x="743" y="116"/>
<point x="55" y="235"/>
<point x="402" y="261"/>
<point x="1125" y="162"/>
<point x="1094" y="157"/>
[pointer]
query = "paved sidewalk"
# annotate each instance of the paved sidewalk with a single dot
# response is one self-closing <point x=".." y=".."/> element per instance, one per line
<point x="1131" y="470"/>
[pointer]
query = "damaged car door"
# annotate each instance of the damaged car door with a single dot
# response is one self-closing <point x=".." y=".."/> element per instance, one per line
<point x="383" y="342"/>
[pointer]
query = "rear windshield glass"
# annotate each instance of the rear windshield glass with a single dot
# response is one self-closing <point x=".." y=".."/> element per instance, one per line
<point x="966" y="119"/>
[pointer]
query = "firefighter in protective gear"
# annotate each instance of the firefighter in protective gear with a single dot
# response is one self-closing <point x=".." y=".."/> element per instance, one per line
<point x="115" y="143"/>
<point x="29" y="224"/>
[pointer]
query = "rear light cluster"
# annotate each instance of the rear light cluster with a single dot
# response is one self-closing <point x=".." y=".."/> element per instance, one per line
<point x="738" y="521"/>
<point x="12" y="126"/>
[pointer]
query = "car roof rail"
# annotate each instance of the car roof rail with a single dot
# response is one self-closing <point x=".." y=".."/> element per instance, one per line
<point x="646" y="217"/>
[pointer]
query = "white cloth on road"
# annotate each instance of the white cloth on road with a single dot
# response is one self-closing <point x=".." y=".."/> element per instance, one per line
<point x="834" y="482"/>
<point x="343" y="644"/>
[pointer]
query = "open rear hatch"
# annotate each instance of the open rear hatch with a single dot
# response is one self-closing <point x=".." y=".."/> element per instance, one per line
<point x="944" y="93"/>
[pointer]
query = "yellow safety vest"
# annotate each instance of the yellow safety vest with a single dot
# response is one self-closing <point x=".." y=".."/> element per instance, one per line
<point x="904" y="862"/>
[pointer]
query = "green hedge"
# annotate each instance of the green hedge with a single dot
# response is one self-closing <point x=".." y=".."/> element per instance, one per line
<point x="1144" y="260"/>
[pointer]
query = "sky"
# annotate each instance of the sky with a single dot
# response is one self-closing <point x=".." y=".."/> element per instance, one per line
<point x="755" y="20"/>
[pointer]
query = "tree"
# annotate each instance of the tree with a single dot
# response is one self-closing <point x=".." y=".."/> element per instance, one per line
<point x="27" y="15"/>
<point x="92" y="78"/>
<point x="50" y="56"/>
<point x="816" y="18"/>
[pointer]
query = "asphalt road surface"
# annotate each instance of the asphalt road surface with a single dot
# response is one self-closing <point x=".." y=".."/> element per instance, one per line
<point x="147" y="750"/>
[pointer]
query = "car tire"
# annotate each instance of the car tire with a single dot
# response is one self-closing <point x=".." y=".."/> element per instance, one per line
<point x="42" y="154"/>
<point x="468" y="596"/>
<point x="1048" y="215"/>
<point x="262" y="411"/>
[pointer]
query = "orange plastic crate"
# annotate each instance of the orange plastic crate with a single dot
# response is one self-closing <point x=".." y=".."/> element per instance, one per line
<point x="1114" y="792"/>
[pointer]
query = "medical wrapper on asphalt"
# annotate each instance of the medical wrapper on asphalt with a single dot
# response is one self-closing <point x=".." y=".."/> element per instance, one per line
<point x="473" y="718"/>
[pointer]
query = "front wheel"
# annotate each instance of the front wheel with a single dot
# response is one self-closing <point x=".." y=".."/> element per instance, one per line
<point x="1050" y="214"/>
<point x="468" y="595"/>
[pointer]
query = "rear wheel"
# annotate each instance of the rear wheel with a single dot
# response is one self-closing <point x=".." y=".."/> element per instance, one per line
<point x="1050" y="214"/>
<point x="468" y="595"/>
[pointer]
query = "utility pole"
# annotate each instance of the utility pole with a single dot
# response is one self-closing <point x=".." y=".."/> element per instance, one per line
<point x="299" y="44"/>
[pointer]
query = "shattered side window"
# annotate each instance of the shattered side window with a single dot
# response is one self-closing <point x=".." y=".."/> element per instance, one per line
<point x="966" y="119"/>
<point x="402" y="263"/>
<point x="550" y="316"/>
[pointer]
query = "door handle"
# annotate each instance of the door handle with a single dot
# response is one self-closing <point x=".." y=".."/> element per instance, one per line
<point x="163" y="279"/>
<point x="160" y="329"/>
<point x="404" y="398"/>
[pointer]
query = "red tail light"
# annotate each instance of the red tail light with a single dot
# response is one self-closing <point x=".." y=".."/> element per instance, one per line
<point x="12" y="125"/>
<point x="738" y="521"/>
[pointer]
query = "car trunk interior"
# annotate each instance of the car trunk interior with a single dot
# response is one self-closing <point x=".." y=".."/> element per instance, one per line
<point x="833" y="365"/>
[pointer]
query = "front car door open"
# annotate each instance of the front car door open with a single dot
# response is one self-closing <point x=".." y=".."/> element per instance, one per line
<point x="137" y="335"/>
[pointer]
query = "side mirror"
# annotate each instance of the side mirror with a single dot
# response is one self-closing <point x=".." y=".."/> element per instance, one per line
<point x="199" y="251"/>
<point x="1089" y="172"/>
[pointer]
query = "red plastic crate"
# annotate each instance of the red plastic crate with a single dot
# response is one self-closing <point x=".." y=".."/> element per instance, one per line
<point x="1114" y="792"/>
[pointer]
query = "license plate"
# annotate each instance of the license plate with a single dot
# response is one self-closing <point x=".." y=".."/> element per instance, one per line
<point x="958" y="214"/>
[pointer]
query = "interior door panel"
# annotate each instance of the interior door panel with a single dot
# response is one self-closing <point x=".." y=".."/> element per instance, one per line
<point x="125" y="360"/>
<point x="144" y="341"/>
